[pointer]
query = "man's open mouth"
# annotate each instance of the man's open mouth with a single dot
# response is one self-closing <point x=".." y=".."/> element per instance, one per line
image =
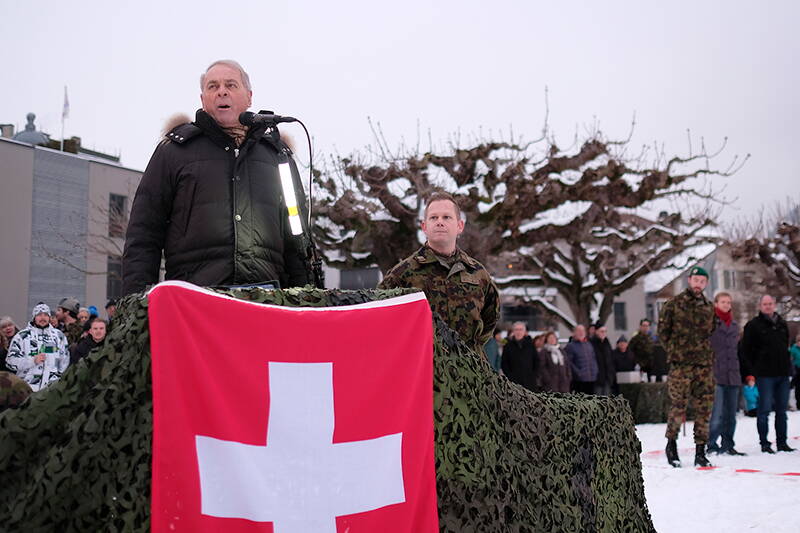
<point x="223" y="106"/>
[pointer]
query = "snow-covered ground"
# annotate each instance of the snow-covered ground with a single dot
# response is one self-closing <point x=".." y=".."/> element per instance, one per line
<point x="726" y="498"/>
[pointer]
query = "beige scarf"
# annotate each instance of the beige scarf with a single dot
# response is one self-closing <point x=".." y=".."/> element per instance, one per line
<point x="237" y="133"/>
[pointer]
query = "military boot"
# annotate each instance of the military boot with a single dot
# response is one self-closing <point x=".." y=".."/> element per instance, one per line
<point x="700" y="458"/>
<point x="672" y="453"/>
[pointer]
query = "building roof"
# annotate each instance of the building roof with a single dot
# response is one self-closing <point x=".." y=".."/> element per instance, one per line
<point x="30" y="135"/>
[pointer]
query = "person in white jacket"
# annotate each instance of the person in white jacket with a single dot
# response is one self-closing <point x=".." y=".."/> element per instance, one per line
<point x="38" y="354"/>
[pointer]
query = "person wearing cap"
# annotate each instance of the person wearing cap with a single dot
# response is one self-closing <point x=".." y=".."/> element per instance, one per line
<point x="685" y="328"/>
<point x="38" y="354"/>
<point x="111" y="309"/>
<point x="624" y="358"/>
<point x="67" y="315"/>
<point x="765" y="346"/>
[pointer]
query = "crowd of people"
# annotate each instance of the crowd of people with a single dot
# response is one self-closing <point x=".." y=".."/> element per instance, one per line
<point x="702" y="351"/>
<point x="40" y="351"/>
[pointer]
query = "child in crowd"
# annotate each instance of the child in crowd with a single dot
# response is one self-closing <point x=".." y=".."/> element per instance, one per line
<point x="750" y="392"/>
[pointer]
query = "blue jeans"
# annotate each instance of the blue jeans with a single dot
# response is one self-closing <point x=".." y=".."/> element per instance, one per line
<point x="723" y="417"/>
<point x="773" y="392"/>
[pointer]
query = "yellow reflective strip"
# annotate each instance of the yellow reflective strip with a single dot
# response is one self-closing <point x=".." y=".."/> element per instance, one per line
<point x="293" y="211"/>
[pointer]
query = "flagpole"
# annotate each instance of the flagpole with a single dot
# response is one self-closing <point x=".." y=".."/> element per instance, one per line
<point x="64" y="115"/>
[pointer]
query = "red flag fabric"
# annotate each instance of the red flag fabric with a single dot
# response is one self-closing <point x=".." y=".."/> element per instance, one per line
<point x="276" y="419"/>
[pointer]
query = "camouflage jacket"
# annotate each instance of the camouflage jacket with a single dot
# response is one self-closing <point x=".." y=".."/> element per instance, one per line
<point x="73" y="333"/>
<point x="642" y="346"/>
<point x="32" y="341"/>
<point x="461" y="292"/>
<point x="685" y="327"/>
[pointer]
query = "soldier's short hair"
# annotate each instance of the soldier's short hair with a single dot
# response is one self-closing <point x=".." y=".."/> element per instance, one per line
<point x="438" y="196"/>
<point x="722" y="294"/>
<point x="642" y="321"/>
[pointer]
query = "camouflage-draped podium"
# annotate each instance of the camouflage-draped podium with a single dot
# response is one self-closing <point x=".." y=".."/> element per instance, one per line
<point x="76" y="456"/>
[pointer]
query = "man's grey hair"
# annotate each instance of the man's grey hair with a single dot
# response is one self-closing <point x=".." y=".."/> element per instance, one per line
<point x="761" y="300"/>
<point x="228" y="63"/>
<point x="519" y="323"/>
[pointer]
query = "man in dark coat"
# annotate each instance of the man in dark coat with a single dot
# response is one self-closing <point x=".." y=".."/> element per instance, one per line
<point x="211" y="199"/>
<point x="582" y="360"/>
<point x="765" y="344"/>
<point x="520" y="360"/>
<point x="727" y="375"/>
<point x="98" y="328"/>
<point x="606" y="373"/>
<point x="624" y="358"/>
<point x="685" y="328"/>
<point x="642" y="344"/>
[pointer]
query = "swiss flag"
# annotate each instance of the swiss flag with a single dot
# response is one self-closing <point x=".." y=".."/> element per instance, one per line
<point x="269" y="418"/>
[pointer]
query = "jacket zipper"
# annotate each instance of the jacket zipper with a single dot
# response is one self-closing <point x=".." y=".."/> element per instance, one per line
<point x="235" y="223"/>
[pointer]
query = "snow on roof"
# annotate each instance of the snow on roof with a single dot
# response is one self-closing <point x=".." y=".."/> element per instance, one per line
<point x="657" y="280"/>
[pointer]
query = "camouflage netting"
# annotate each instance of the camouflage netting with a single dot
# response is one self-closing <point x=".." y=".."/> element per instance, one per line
<point x="76" y="457"/>
<point x="650" y="402"/>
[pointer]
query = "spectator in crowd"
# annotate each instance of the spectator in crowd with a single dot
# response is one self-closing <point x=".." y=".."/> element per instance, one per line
<point x="111" y="309"/>
<point x="7" y="331"/>
<point x="728" y="379"/>
<point x="659" y="368"/>
<point x="96" y="337"/>
<point x="606" y="372"/>
<point x="555" y="374"/>
<point x="750" y="393"/>
<point x="519" y="361"/>
<point x="492" y="349"/>
<point x="766" y="347"/>
<point x="685" y="328"/>
<point x="591" y="331"/>
<point x="83" y="316"/>
<point x="67" y="314"/>
<point x="54" y="319"/>
<point x="624" y="358"/>
<point x="38" y="353"/>
<point x="795" y="351"/>
<point x="582" y="360"/>
<point x="642" y="343"/>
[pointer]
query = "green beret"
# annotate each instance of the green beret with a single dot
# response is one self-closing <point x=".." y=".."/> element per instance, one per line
<point x="698" y="271"/>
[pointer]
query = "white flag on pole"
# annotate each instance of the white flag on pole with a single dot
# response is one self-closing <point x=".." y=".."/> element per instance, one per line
<point x="65" y="111"/>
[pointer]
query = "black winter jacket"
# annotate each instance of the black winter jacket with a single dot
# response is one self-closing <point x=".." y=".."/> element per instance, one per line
<point x="606" y="371"/>
<point x="765" y="346"/>
<point x="216" y="211"/>
<point x="520" y="362"/>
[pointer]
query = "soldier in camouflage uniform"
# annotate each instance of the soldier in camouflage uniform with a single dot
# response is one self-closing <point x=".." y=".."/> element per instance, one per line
<point x="642" y="345"/>
<point x="458" y="288"/>
<point x="685" y="328"/>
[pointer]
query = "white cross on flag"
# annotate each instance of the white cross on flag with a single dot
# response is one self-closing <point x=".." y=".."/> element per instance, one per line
<point x="289" y="420"/>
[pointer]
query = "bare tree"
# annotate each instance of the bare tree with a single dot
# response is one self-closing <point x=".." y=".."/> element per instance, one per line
<point x="772" y="239"/>
<point x="589" y="220"/>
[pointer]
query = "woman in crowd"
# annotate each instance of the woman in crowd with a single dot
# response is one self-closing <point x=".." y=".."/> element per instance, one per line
<point x="7" y="331"/>
<point x="555" y="373"/>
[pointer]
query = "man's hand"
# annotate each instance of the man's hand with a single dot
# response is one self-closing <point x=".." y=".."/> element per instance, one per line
<point x="39" y="358"/>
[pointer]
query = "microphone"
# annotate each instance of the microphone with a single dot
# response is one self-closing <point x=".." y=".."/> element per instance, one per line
<point x="248" y="118"/>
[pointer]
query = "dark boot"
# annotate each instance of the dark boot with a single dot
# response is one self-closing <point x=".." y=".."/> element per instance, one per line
<point x="672" y="453"/>
<point x="783" y="447"/>
<point x="700" y="458"/>
<point x="767" y="448"/>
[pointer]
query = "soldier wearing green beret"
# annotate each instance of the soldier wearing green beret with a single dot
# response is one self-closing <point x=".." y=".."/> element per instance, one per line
<point x="458" y="288"/>
<point x="685" y="328"/>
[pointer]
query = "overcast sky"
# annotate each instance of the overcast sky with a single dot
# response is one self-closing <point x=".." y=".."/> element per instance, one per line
<point x="720" y="69"/>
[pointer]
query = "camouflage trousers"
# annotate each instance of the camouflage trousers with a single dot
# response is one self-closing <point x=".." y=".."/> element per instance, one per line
<point x="697" y="383"/>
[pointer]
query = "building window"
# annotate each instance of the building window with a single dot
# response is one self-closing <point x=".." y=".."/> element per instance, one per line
<point x="532" y="316"/>
<point x="114" y="278"/>
<point x="730" y="279"/>
<point x="117" y="215"/>
<point x="359" y="278"/>
<point x="620" y="318"/>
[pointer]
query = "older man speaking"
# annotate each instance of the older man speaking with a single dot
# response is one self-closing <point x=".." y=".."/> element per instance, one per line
<point x="211" y="198"/>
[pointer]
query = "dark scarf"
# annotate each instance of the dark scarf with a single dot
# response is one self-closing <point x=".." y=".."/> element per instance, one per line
<point x="725" y="317"/>
<point x="218" y="134"/>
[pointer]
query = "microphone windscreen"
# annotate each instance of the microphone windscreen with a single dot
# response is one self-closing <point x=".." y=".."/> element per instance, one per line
<point x="246" y="118"/>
